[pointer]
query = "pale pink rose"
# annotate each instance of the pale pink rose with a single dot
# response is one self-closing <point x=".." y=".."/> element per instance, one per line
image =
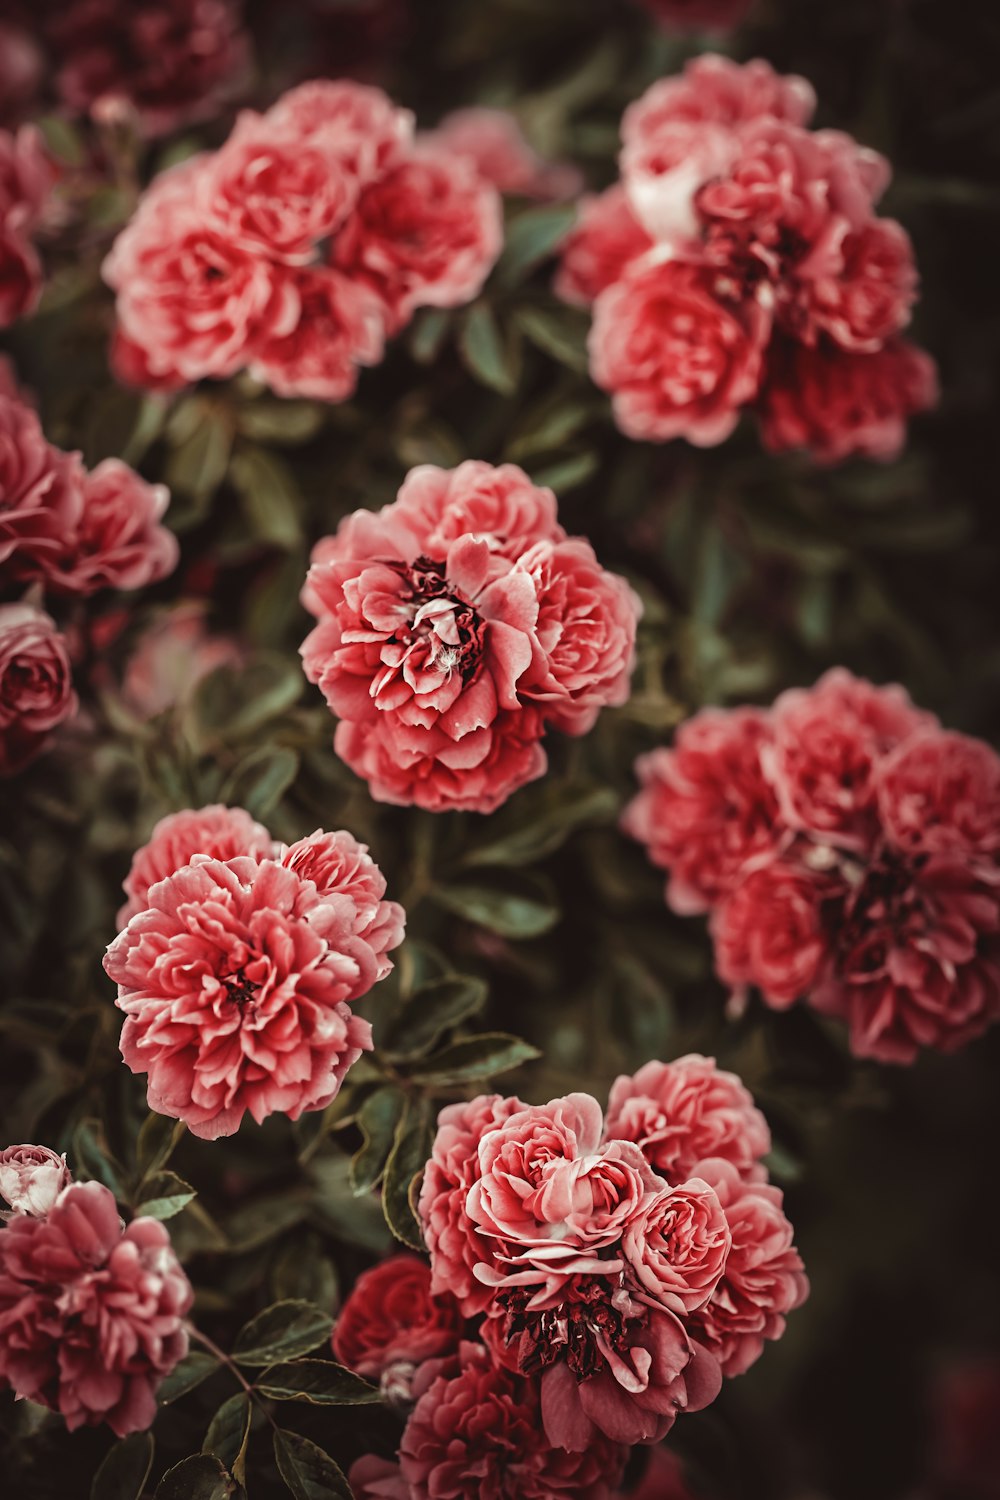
<point x="476" y="1431"/>
<point x="835" y="404"/>
<point x="682" y="1111"/>
<point x="32" y="1177"/>
<point x="172" y="61"/>
<point x="221" y="832"/>
<point x="939" y="793"/>
<point x="235" y="983"/>
<point x="91" y="1311"/>
<point x="374" y="1478"/>
<point x="188" y="296"/>
<point x="769" y="932"/>
<point x="427" y="233"/>
<point x="918" y="957"/>
<point x="172" y="656"/>
<point x="492" y="139"/>
<point x="339" y="866"/>
<point x="870" y="300"/>
<point x="706" y="811"/>
<point x="606" y="238"/>
<point x="41" y="496"/>
<point x="676" y="1249"/>
<point x="356" y="122"/>
<point x="391" y="1322"/>
<point x="764" y="1278"/>
<point x="119" y="542"/>
<point x="452" y="1170"/>
<point x="36" y="684"/>
<point x="340" y="328"/>
<point x="716" y="89"/>
<point x="708" y="15"/>
<point x="825" y="745"/>
<point x="677" y="361"/>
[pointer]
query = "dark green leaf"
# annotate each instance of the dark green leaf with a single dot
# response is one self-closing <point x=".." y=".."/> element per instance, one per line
<point x="233" y="703"/>
<point x="431" y="1010"/>
<point x="271" y="500"/>
<point x="156" y="1141"/>
<point x="548" y="428"/>
<point x="544" y="834"/>
<point x="199" y="461"/>
<point x="377" y="1119"/>
<point x="285" y="423"/>
<point x="123" y="1474"/>
<point x="515" y="908"/>
<point x="93" y="1159"/>
<point x="200" y="1477"/>
<point x="229" y="1433"/>
<point x="568" y="473"/>
<point x="317" y="1381"/>
<point x="356" y="1221"/>
<point x="186" y="1376"/>
<point x="531" y="237"/>
<point x="164" y="1195"/>
<point x="430" y="329"/>
<point x="407" y="1160"/>
<point x="473" y="1058"/>
<point x="559" y="331"/>
<point x="309" y="1473"/>
<point x="303" y="1271"/>
<point x="261" y="779"/>
<point x="264" y="1219"/>
<point x="486" y="354"/>
<point x="282" y="1332"/>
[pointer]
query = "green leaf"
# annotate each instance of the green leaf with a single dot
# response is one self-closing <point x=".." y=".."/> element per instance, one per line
<point x="568" y="473"/>
<point x="486" y="354"/>
<point x="285" y="423"/>
<point x="356" y="1221"/>
<point x="407" y="1159"/>
<point x="515" y="908"/>
<point x="531" y="237"/>
<point x="428" y="334"/>
<point x="200" y="459"/>
<point x="264" y="1219"/>
<point x="261" y="779"/>
<point x="156" y="1142"/>
<point x="200" y="1477"/>
<point x="548" y="427"/>
<point x="309" y="1473"/>
<point x="123" y="1474"/>
<point x="271" y="499"/>
<point x="317" y="1381"/>
<point x="282" y="1332"/>
<point x="229" y="1433"/>
<point x="186" y="1376"/>
<point x="431" y="1010"/>
<point x="233" y="703"/>
<point x="473" y="1058"/>
<point x="93" y="1158"/>
<point x="302" y="1271"/>
<point x="542" y="835"/>
<point x="167" y="1195"/>
<point x="377" y="1120"/>
<point x="559" y="331"/>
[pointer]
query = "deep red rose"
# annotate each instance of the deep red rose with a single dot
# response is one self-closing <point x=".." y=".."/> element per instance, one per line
<point x="391" y="1323"/>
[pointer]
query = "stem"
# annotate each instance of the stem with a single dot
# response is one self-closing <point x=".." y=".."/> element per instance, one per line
<point x="232" y="1367"/>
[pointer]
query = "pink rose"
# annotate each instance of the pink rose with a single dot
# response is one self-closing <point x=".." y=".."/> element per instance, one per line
<point x="41" y="496"/>
<point x="130" y="366"/>
<point x="493" y="141"/>
<point x="606" y="238"/>
<point x="764" y="1278"/>
<point x="939" y="793"/>
<point x="678" y="1246"/>
<point x="681" y="1111"/>
<point x="449" y="1174"/>
<point x="836" y="404"/>
<point x="36" y="685"/>
<point x="769" y="932"/>
<point x="677" y="361"/>
<point x="391" y="1323"/>
<point x="476" y="1431"/>
<point x="31" y="1178"/>
<point x="172" y="656"/>
<point x="374" y="1478"/>
<point x="870" y="299"/>
<point x="20" y="275"/>
<point x="706" y="811"/>
<point x="339" y="866"/>
<point x="710" y="15"/>
<point x="824" y="750"/>
<point x="27" y="175"/>
<point x="358" y="123"/>
<point x="91" y="1312"/>
<point x="716" y="89"/>
<point x="425" y="234"/>
<point x="119" y="542"/>
<point x="664" y="169"/>
<point x="236" y="982"/>
<point x="172" y="60"/>
<point x="498" y="503"/>
<point x="221" y="832"/>
<point x="340" y="327"/>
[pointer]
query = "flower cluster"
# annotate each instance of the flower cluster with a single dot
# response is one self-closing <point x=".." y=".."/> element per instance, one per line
<point x="848" y="849"/>
<point x="454" y="626"/>
<point x="313" y="234"/>
<point x="71" y="533"/>
<point x="91" y="1310"/>
<point x="740" y="262"/>
<point x="589" y="1280"/>
<point x="26" y="179"/>
<point x="238" y="964"/>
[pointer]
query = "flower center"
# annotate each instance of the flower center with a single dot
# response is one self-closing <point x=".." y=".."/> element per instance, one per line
<point x="574" y="1330"/>
<point x="240" y="990"/>
<point x="443" y="627"/>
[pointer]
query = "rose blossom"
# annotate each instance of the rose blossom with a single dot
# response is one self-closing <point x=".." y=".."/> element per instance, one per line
<point x="340" y="327"/>
<point x="222" y="832"/>
<point x="869" y="300"/>
<point x="20" y="275"/>
<point x="31" y="1178"/>
<point x="836" y="404"/>
<point x="374" y="1478"/>
<point x="769" y="932"/>
<point x="359" y="124"/>
<point x="391" y="1322"/>
<point x="716" y="89"/>
<point x="449" y="1174"/>
<point x="677" y="361"/>
<point x="492" y="139"/>
<point x="41" y="496"/>
<point x="824" y="748"/>
<point x="705" y="811"/>
<point x="339" y="866"/>
<point x="606" y="238"/>
<point x="682" y="1111"/>
<point x="119" y="542"/>
<point x="174" y="653"/>
<point x="663" y="1479"/>
<point x="678" y="1246"/>
<point x="476" y="1431"/>
<point x="26" y="178"/>
<point x="425" y="234"/>
<point x="939" y="793"/>
<point x="763" y="1279"/>
<point x="36" y="686"/>
<point x="90" y="1311"/>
